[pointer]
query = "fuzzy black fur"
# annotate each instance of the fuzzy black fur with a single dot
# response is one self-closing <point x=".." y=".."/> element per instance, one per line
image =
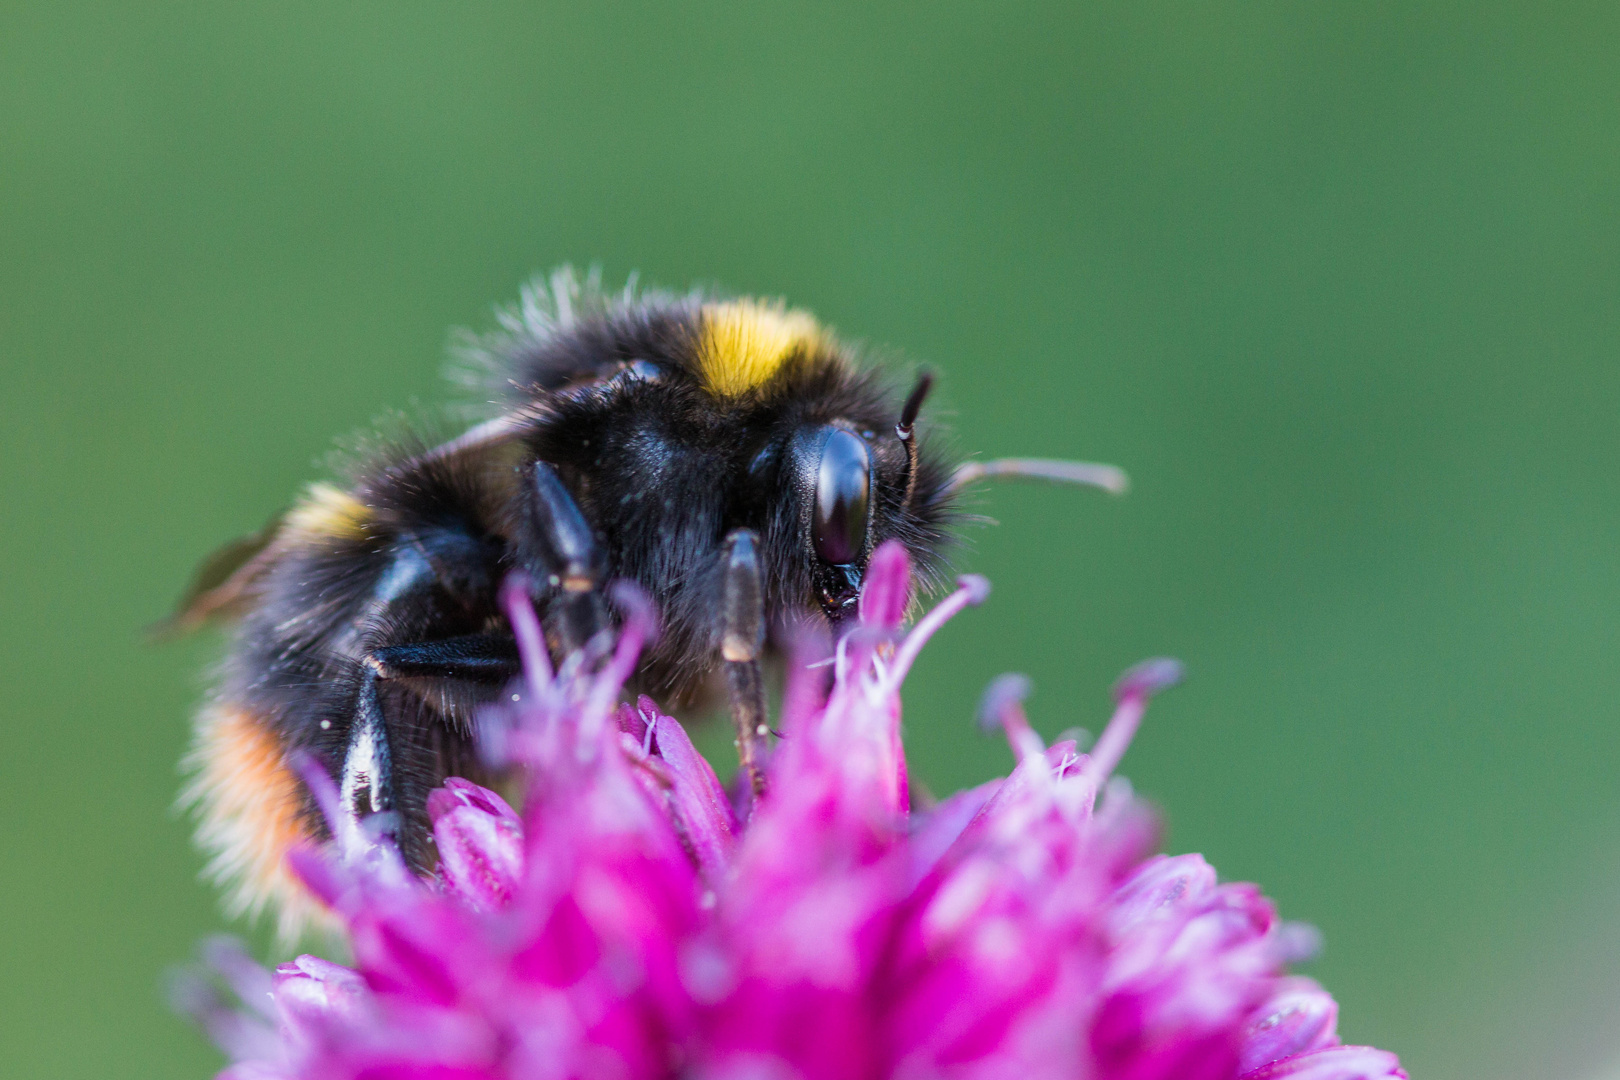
<point x="662" y="471"/>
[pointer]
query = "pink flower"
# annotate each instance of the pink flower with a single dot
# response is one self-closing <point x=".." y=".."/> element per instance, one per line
<point x="632" y="923"/>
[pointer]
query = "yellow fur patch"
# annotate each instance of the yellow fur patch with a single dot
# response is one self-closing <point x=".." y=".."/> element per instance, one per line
<point x="328" y="511"/>
<point x="744" y="343"/>
<point x="247" y="804"/>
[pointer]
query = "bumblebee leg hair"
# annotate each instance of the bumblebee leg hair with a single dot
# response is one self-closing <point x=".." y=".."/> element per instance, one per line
<point x="1110" y="478"/>
<point x="742" y="636"/>
<point x="573" y="561"/>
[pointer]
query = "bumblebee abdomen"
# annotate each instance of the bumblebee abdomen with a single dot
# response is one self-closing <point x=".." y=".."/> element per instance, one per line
<point x="251" y="811"/>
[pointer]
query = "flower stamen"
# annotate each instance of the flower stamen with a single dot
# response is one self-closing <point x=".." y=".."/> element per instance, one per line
<point x="1003" y="705"/>
<point x="1132" y="693"/>
<point x="971" y="591"/>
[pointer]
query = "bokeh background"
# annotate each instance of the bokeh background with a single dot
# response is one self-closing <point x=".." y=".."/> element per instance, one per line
<point x="1336" y="282"/>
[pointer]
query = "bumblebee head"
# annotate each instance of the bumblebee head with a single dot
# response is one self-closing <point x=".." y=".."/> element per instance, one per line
<point x="831" y="465"/>
<point x="695" y="418"/>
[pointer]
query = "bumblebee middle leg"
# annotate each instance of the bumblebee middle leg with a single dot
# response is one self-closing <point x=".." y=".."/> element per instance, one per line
<point x="367" y="780"/>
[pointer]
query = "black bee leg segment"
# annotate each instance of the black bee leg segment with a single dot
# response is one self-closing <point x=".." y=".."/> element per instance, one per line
<point x="476" y="658"/>
<point x="367" y="783"/>
<point x="572" y="559"/>
<point x="573" y="619"/>
<point x="742" y="637"/>
<point x="905" y="430"/>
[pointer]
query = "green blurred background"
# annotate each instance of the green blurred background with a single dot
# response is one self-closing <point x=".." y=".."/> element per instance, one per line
<point x="1336" y="282"/>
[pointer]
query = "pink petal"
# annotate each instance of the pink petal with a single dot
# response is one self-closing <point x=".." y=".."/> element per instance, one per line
<point x="326" y="879"/>
<point x="1334" y="1063"/>
<point x="480" y="842"/>
<point x="632" y="722"/>
<point x="314" y="994"/>
<point x="1162" y="885"/>
<point x="696" y="797"/>
<point x="417" y="946"/>
<point x="887" y="591"/>
<point x="933" y="833"/>
<point x="255" y="1070"/>
<point x="458" y="792"/>
<point x="1298" y="1018"/>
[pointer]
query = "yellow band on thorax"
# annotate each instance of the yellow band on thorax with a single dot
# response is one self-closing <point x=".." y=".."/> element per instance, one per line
<point x="330" y="512"/>
<point x="743" y="344"/>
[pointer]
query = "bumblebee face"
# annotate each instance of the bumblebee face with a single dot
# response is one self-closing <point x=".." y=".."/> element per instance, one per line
<point x="725" y="417"/>
<point x="730" y="458"/>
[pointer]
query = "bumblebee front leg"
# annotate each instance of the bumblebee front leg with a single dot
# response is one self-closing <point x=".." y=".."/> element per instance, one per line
<point x="572" y="560"/>
<point x="742" y="637"/>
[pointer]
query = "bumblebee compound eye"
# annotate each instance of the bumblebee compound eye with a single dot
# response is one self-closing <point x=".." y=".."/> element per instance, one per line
<point x="838" y="521"/>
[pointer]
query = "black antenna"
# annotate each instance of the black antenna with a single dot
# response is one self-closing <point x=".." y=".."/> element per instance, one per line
<point x="905" y="429"/>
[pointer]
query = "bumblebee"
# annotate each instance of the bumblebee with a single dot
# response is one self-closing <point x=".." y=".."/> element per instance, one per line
<point x="729" y="456"/>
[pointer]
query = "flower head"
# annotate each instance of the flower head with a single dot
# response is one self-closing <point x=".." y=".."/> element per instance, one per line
<point x="636" y="921"/>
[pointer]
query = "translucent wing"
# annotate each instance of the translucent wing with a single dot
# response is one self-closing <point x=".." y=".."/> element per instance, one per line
<point x="220" y="584"/>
